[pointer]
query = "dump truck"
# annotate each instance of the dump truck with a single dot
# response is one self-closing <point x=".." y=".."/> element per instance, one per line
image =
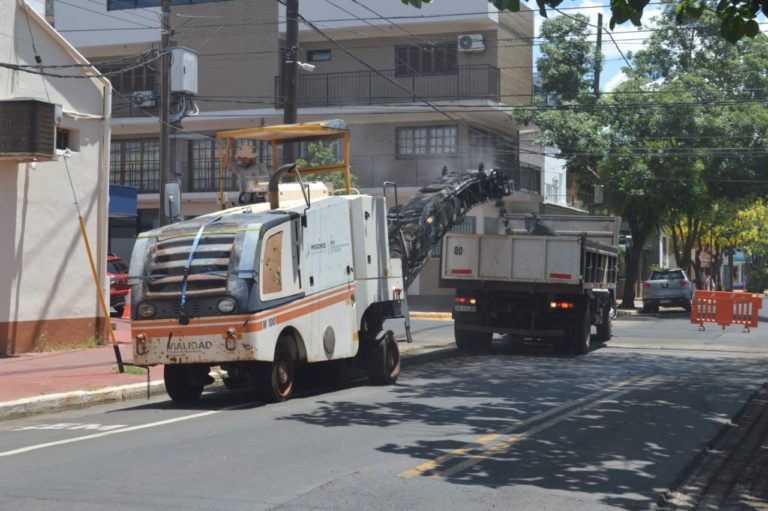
<point x="538" y="277"/>
<point x="293" y="274"/>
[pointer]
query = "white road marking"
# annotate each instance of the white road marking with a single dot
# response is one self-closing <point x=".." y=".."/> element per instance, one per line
<point x="73" y="426"/>
<point x="117" y="431"/>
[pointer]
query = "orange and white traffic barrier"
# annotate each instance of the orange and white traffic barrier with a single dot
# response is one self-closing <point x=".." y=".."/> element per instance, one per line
<point x="725" y="308"/>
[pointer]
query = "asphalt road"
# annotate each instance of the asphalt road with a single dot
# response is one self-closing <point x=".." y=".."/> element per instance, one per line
<point x="519" y="428"/>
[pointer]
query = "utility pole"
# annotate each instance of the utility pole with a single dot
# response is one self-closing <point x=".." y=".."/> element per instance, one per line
<point x="598" y="53"/>
<point x="290" y="73"/>
<point x="165" y="103"/>
<point x="597" y="189"/>
<point x="291" y="68"/>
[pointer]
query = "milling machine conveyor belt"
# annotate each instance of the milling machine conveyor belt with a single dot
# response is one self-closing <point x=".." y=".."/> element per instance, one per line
<point x="417" y="226"/>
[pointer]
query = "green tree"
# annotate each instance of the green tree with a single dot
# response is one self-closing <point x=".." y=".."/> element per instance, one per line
<point x="720" y="121"/>
<point x="319" y="154"/>
<point x="567" y="56"/>
<point x="685" y="132"/>
<point x="737" y="18"/>
<point x="567" y="60"/>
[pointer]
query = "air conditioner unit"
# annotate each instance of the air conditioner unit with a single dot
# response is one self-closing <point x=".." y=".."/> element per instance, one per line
<point x="471" y="42"/>
<point x="143" y="99"/>
<point x="28" y="129"/>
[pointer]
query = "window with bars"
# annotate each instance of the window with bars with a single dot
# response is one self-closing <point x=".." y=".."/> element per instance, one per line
<point x="204" y="168"/>
<point x="429" y="59"/>
<point x="433" y="140"/>
<point x="135" y="163"/>
<point x="141" y="78"/>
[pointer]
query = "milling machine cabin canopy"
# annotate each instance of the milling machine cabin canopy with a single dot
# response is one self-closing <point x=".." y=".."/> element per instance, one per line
<point x="262" y="149"/>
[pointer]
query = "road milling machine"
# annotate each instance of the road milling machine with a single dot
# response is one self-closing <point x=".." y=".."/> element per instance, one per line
<point x="291" y="276"/>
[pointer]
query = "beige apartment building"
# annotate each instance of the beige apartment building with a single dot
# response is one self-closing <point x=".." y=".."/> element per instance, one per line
<point x="420" y="89"/>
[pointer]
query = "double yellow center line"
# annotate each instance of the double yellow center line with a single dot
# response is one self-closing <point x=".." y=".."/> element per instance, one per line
<point x="482" y="448"/>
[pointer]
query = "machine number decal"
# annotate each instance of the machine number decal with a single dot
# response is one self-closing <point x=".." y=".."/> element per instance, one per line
<point x="269" y="322"/>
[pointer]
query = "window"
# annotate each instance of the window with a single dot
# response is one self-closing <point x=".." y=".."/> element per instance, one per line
<point x="318" y="55"/>
<point x="133" y="80"/>
<point x="63" y="139"/>
<point x="435" y="140"/>
<point x="135" y="163"/>
<point x="271" y="265"/>
<point x="431" y="59"/>
<point x="204" y="168"/>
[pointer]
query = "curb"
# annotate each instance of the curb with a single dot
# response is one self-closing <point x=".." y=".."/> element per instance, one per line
<point x="431" y="315"/>
<point x="77" y="399"/>
<point x="64" y="401"/>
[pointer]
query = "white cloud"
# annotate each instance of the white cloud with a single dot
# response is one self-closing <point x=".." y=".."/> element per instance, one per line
<point x="618" y="78"/>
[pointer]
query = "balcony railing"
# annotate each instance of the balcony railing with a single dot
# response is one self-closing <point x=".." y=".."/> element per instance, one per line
<point x="525" y="177"/>
<point x="377" y="87"/>
<point x="136" y="104"/>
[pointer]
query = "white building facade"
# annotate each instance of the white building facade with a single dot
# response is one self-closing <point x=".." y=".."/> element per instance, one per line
<point x="47" y="293"/>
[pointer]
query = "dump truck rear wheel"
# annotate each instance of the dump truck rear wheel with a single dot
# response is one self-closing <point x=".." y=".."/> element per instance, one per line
<point x="383" y="364"/>
<point x="579" y="333"/>
<point x="472" y="342"/>
<point x="182" y="383"/>
<point x="605" y="328"/>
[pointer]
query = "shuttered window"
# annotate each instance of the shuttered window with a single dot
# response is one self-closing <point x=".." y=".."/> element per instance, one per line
<point x="431" y="59"/>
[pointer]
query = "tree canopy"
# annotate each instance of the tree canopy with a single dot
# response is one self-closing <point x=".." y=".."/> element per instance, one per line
<point x="685" y="135"/>
<point x="737" y="18"/>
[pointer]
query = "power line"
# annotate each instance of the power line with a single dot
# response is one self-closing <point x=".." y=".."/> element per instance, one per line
<point x="29" y="69"/>
<point x="370" y="67"/>
<point x="103" y="14"/>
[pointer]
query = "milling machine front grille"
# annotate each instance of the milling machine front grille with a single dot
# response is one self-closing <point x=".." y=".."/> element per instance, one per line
<point x="208" y="271"/>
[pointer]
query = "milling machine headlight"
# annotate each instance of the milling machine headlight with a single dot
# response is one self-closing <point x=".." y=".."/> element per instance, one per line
<point x="226" y="305"/>
<point x="147" y="310"/>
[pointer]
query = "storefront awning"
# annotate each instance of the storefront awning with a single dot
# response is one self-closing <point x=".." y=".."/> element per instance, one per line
<point x="122" y="201"/>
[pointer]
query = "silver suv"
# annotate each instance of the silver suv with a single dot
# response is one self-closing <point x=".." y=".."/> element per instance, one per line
<point x="668" y="288"/>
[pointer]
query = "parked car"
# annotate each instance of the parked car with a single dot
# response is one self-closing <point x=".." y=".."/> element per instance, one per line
<point x="668" y="288"/>
<point x="117" y="271"/>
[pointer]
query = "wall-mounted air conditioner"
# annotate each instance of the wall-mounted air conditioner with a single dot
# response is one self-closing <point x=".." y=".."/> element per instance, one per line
<point x="28" y="129"/>
<point x="143" y="99"/>
<point x="471" y="43"/>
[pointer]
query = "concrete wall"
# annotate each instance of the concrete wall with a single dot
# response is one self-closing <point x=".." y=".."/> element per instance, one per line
<point x="237" y="44"/>
<point x="374" y="160"/>
<point x="90" y="27"/>
<point x="515" y="56"/>
<point x="347" y="14"/>
<point x="47" y="295"/>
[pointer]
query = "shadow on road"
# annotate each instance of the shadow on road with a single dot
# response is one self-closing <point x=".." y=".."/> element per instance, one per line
<point x="622" y="449"/>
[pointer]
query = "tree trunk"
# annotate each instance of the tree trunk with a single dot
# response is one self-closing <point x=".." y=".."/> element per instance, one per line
<point x="633" y="267"/>
<point x="697" y="266"/>
<point x="729" y="277"/>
